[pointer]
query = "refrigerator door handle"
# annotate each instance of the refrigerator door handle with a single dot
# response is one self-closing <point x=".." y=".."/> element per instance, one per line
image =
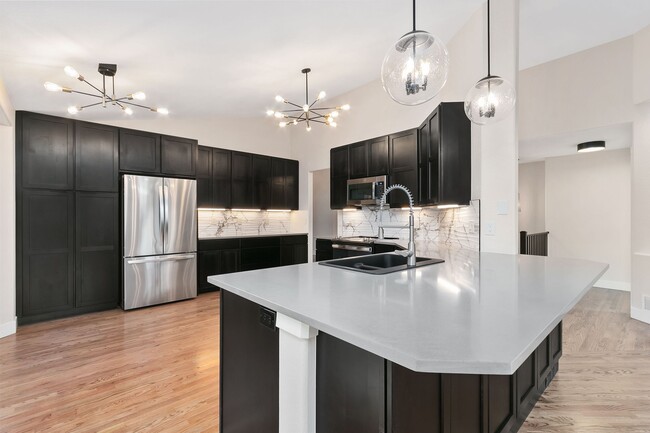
<point x="177" y="257"/>
<point x="161" y="213"/>
<point x="166" y="220"/>
<point x="144" y="260"/>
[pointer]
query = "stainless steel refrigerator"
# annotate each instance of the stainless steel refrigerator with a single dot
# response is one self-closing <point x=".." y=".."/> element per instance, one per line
<point x="159" y="255"/>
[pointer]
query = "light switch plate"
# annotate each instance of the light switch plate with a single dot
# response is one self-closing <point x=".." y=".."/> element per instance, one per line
<point x="502" y="207"/>
<point x="490" y="229"/>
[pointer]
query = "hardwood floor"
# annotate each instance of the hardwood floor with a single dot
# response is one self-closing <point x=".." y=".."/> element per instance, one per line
<point x="156" y="370"/>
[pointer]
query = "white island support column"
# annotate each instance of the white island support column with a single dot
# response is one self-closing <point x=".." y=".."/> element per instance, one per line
<point x="297" y="376"/>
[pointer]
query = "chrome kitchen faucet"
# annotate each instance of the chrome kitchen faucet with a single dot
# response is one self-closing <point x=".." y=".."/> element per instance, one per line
<point x="410" y="253"/>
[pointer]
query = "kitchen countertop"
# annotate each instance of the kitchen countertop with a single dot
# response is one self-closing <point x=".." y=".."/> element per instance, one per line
<point x="251" y="236"/>
<point x="476" y="313"/>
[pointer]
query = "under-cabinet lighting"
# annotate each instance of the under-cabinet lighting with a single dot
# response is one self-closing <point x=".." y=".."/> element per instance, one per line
<point x="448" y="206"/>
<point x="408" y="208"/>
<point x="212" y="209"/>
<point x="246" y="210"/>
<point x="349" y="209"/>
<point x="278" y="210"/>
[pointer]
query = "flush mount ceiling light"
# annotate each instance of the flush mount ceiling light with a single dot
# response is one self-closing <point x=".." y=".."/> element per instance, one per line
<point x="307" y="113"/>
<point x="415" y="67"/>
<point x="591" y="146"/>
<point x="106" y="70"/>
<point x="492" y="97"/>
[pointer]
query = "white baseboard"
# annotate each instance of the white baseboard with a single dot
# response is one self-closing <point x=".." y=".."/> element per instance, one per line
<point x="640" y="314"/>
<point x="615" y="285"/>
<point x="8" y="328"/>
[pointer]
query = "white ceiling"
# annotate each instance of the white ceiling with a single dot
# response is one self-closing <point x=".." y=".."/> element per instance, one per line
<point x="230" y="58"/>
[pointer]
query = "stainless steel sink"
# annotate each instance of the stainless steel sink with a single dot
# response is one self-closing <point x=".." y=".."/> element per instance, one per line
<point x="378" y="264"/>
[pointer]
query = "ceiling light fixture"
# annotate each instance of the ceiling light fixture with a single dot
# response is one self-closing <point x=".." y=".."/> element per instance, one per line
<point x="492" y="97"/>
<point x="415" y="67"/>
<point x="591" y="146"/>
<point x="307" y="112"/>
<point x="106" y="70"/>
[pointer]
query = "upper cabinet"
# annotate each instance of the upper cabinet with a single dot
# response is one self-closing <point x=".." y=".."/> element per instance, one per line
<point x="96" y="155"/>
<point x="433" y="161"/>
<point x="445" y="157"/>
<point x="204" y="177"/>
<point x="221" y="178"/>
<point x="46" y="154"/>
<point x="284" y="184"/>
<point x="149" y="153"/>
<point x="242" y="180"/>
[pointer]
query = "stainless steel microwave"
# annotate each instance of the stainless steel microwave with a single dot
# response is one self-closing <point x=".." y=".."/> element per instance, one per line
<point x="366" y="191"/>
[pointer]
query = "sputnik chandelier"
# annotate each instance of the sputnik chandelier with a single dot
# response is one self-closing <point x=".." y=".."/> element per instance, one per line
<point x="307" y="113"/>
<point x="106" y="70"/>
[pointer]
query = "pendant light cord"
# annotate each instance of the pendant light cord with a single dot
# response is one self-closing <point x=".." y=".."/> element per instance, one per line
<point x="488" y="35"/>
<point x="413" y="15"/>
<point x="306" y="87"/>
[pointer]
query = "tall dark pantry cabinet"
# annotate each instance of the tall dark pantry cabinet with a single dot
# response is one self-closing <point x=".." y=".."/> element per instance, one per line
<point x="67" y="217"/>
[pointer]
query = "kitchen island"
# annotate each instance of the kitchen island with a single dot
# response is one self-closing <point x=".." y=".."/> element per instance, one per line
<point x="467" y="345"/>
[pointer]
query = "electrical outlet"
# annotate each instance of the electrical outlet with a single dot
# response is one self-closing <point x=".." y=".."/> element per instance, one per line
<point x="490" y="229"/>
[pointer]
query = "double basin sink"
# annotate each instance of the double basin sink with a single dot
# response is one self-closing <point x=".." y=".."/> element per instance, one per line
<point x="378" y="264"/>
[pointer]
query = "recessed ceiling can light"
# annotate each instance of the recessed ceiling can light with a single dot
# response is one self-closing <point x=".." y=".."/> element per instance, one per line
<point x="591" y="146"/>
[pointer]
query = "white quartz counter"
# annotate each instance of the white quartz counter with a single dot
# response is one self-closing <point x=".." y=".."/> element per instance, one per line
<point x="477" y="313"/>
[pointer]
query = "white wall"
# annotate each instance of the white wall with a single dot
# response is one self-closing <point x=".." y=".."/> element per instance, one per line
<point x="532" y="197"/>
<point x="7" y="217"/>
<point x="256" y="134"/>
<point x="588" y="211"/>
<point x="589" y="89"/>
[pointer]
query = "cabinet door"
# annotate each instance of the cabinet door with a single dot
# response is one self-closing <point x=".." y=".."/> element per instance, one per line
<point x="97" y="151"/>
<point x="278" y="178"/>
<point x="428" y="160"/>
<point x="204" y="178"/>
<point x="47" y="252"/>
<point x="423" y="164"/>
<point x="178" y="156"/>
<point x="262" y="182"/>
<point x="338" y="192"/>
<point x="242" y="180"/>
<point x="291" y="188"/>
<point x="229" y="261"/>
<point x="403" y="153"/>
<point x="97" y="245"/>
<point x="358" y="160"/>
<point x="339" y="162"/>
<point x="46" y="146"/>
<point x="378" y="156"/>
<point x="221" y="181"/>
<point x="455" y="154"/>
<point x="416" y="401"/>
<point x="139" y="151"/>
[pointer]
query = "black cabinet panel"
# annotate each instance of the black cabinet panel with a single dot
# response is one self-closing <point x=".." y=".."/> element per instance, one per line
<point x="47" y="252"/>
<point x="464" y="402"/>
<point x="204" y="197"/>
<point x="261" y="182"/>
<point x="525" y="379"/>
<point x="294" y="250"/>
<point x="403" y="155"/>
<point x="455" y="154"/>
<point x="284" y="184"/>
<point x="139" y="151"/>
<point x="501" y="402"/>
<point x="97" y="249"/>
<point x="45" y="145"/>
<point x="178" y="156"/>
<point x="324" y="250"/>
<point x="242" y="180"/>
<point x="338" y="192"/>
<point x="221" y="178"/>
<point x="358" y="160"/>
<point x="339" y="176"/>
<point x="97" y="151"/>
<point x="416" y="401"/>
<point x="260" y="258"/>
<point x="249" y="368"/>
<point x="216" y="262"/>
<point x="291" y="185"/>
<point x="378" y="156"/>
<point x="339" y="162"/>
<point x="350" y="388"/>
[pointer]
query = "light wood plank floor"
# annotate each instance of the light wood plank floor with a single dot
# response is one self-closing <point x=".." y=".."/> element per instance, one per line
<point x="156" y="370"/>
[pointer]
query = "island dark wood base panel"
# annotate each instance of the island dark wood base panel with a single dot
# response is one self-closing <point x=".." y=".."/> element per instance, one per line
<point x="359" y="392"/>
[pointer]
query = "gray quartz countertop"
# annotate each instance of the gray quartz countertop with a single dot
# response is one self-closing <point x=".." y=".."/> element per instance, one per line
<point x="476" y="313"/>
<point x="207" y="238"/>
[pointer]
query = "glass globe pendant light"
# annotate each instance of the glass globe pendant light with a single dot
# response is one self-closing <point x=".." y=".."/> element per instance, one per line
<point x="492" y="98"/>
<point x="415" y="67"/>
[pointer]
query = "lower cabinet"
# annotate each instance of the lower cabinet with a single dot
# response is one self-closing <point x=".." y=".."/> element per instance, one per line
<point x="223" y="256"/>
<point x="249" y="367"/>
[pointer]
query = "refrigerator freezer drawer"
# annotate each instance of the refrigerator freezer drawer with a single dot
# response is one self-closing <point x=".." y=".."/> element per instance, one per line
<point x="158" y="279"/>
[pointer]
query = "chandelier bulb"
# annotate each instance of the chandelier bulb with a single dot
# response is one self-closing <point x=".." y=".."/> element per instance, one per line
<point x="53" y="87"/>
<point x="162" y="111"/>
<point x="140" y="96"/>
<point x="295" y="122"/>
<point x="270" y="112"/>
<point x="334" y="114"/>
<point x="73" y="109"/>
<point x="71" y="72"/>
<point x="305" y="108"/>
<point x="345" y="107"/>
<point x="322" y="94"/>
<point x="333" y="124"/>
<point x="128" y="110"/>
<point x="308" y="128"/>
<point x="279" y="98"/>
<point x="278" y="115"/>
<point x="282" y="124"/>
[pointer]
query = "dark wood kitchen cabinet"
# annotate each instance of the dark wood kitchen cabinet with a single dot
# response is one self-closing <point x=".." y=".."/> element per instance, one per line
<point x="46" y="269"/>
<point x="369" y="158"/>
<point x="284" y="184"/>
<point x="262" y="182"/>
<point x="139" y="151"/>
<point x="358" y="154"/>
<point x="96" y="157"/>
<point x="444" y="157"/>
<point x="178" y="156"/>
<point x="403" y="165"/>
<point x="242" y="180"/>
<point x="294" y="250"/>
<point x="97" y="249"/>
<point x="339" y="175"/>
<point x="221" y="178"/>
<point x="46" y="152"/>
<point x="217" y="256"/>
<point x="204" y="197"/>
<point x="261" y="252"/>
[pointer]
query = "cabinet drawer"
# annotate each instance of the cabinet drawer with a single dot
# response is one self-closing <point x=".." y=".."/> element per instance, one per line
<point x="218" y="244"/>
<point x="265" y="241"/>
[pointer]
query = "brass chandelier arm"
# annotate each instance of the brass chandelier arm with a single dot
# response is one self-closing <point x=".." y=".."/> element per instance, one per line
<point x="291" y="103"/>
<point x="134" y="104"/>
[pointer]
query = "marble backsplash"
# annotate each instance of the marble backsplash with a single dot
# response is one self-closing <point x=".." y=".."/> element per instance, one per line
<point x="224" y="223"/>
<point x="459" y="227"/>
